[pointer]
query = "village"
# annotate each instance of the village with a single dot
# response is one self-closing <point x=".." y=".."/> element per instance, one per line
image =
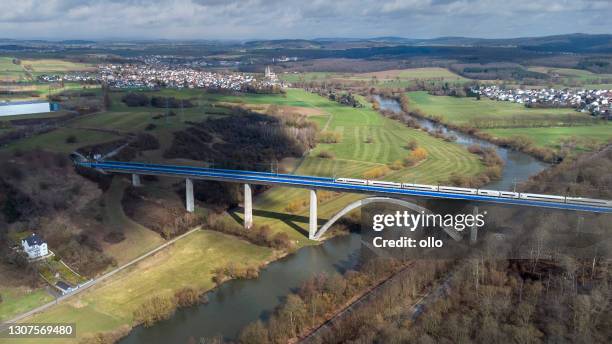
<point x="595" y="102"/>
<point x="152" y="73"/>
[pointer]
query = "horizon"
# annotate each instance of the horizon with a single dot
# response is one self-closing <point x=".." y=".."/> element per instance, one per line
<point x="264" y="20"/>
<point x="272" y="39"/>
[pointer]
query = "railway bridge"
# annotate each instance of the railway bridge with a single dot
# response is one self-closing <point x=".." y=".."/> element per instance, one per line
<point x="385" y="191"/>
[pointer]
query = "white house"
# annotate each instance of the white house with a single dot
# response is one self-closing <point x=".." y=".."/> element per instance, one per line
<point x="34" y="246"/>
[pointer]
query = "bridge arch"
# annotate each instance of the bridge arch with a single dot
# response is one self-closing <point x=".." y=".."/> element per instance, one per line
<point x="453" y="233"/>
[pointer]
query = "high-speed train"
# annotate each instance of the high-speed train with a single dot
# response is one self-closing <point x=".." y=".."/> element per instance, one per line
<point x="479" y="192"/>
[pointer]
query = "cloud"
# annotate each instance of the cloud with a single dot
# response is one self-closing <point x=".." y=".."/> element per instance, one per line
<point x="247" y="19"/>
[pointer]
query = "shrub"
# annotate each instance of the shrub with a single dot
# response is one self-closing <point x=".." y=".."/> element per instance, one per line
<point x="330" y="137"/>
<point x="396" y="165"/>
<point x="135" y="99"/>
<point x="187" y="297"/>
<point x="155" y="309"/>
<point x="412" y="144"/>
<point x="376" y="172"/>
<point x="326" y="155"/>
<point x="71" y="139"/>
<point x="114" y="237"/>
<point x="417" y="155"/>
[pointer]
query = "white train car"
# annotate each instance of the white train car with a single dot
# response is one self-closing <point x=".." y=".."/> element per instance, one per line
<point x="481" y="192"/>
<point x="384" y="184"/>
<point x="419" y="187"/>
<point x="508" y="194"/>
<point x="588" y="201"/>
<point x="457" y="190"/>
<point x="491" y="193"/>
<point x="544" y="198"/>
<point x="352" y="181"/>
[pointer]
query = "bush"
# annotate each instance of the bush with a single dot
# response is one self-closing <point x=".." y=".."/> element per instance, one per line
<point x="135" y="99"/>
<point x="155" y="309"/>
<point x="150" y="127"/>
<point x="417" y="155"/>
<point x="330" y="137"/>
<point x="376" y="172"/>
<point x="326" y="155"/>
<point x="114" y="237"/>
<point x="71" y="139"/>
<point x="412" y="145"/>
<point x="170" y="102"/>
<point x="396" y="165"/>
<point x="187" y="297"/>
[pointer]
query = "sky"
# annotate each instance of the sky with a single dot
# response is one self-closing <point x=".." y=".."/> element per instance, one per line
<point x="277" y="19"/>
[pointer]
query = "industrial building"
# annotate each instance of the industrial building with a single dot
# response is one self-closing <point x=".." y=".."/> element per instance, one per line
<point x="26" y="108"/>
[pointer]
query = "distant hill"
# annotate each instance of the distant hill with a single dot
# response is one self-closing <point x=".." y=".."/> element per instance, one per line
<point x="578" y="42"/>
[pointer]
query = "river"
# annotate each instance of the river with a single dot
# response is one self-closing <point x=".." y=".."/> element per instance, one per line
<point x="237" y="303"/>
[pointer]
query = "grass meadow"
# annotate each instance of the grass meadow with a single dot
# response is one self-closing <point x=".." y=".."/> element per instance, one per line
<point x="396" y="78"/>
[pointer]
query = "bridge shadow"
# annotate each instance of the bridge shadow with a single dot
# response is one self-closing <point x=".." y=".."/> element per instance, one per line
<point x="290" y="220"/>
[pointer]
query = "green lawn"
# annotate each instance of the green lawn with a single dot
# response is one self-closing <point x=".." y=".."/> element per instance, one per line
<point x="569" y="74"/>
<point x="385" y="79"/>
<point x="40" y="91"/>
<point x="22" y="72"/>
<point x="32" y="116"/>
<point x="56" y="140"/>
<point x="18" y="300"/>
<point x="138" y="239"/>
<point x="470" y="111"/>
<point x="515" y="120"/>
<point x="55" y="66"/>
<point x="10" y="71"/>
<point x="188" y="263"/>
<point x="553" y="137"/>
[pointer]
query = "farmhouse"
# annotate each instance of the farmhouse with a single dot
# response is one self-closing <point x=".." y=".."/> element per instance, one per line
<point x="34" y="246"/>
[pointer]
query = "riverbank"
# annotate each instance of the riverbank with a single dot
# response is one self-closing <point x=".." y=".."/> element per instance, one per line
<point x="109" y="307"/>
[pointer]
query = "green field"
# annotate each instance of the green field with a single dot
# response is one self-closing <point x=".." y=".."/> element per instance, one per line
<point x="10" y="71"/>
<point x="469" y="111"/>
<point x="18" y="300"/>
<point x="56" y="140"/>
<point x="39" y="91"/>
<point x="522" y="120"/>
<point x="28" y="69"/>
<point x="111" y="305"/>
<point x="49" y="66"/>
<point x="553" y="137"/>
<point x="576" y="77"/>
<point x="138" y="239"/>
<point x="385" y="79"/>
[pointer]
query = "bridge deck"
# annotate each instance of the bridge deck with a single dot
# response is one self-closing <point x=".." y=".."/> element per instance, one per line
<point x="311" y="182"/>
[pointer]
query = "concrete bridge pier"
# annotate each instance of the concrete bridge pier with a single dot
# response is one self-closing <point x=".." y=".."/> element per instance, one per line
<point x="248" y="207"/>
<point x="136" y="180"/>
<point x="474" y="229"/>
<point x="189" y="195"/>
<point x="312" y="223"/>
